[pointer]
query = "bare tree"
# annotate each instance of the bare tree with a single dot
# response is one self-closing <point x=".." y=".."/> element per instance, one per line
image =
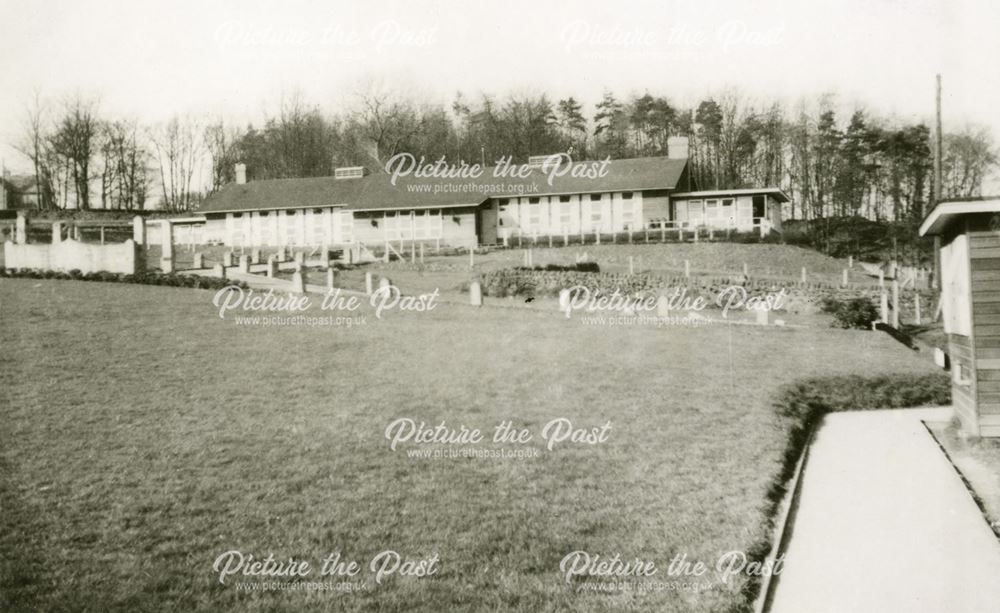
<point x="386" y="121"/>
<point x="35" y="146"/>
<point x="75" y="141"/>
<point x="969" y="157"/>
<point x="179" y="152"/>
<point x="220" y="141"/>
<point x="125" y="178"/>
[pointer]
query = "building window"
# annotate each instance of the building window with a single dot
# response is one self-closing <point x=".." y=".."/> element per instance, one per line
<point x="695" y="211"/>
<point x="626" y="195"/>
<point x="563" y="198"/>
<point x="504" y="201"/>
<point x="712" y="209"/>
<point x="595" y="197"/>
<point x="533" y="200"/>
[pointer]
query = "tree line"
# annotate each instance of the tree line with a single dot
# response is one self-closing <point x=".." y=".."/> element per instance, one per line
<point x="862" y="164"/>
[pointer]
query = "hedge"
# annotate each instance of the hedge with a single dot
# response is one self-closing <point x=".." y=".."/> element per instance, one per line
<point x="150" y="278"/>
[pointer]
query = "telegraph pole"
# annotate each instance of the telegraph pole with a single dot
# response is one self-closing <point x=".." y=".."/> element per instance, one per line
<point x="937" y="181"/>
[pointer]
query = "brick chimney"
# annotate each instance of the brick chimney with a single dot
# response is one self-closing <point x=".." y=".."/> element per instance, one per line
<point x="677" y="147"/>
<point x="241" y="174"/>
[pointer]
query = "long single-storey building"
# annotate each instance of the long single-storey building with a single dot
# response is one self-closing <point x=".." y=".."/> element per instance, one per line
<point x="358" y="207"/>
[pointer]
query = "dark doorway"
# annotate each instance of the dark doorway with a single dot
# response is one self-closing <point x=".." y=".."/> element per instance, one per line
<point x="759" y="206"/>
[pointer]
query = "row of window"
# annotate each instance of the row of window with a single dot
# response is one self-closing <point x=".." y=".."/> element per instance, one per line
<point x="288" y="212"/>
<point x="593" y="198"/>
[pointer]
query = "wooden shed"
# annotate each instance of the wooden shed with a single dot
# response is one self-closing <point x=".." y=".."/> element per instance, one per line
<point x="970" y="298"/>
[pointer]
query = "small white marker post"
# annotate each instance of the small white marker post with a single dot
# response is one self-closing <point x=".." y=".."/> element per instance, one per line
<point x="475" y="294"/>
<point x="687" y="268"/>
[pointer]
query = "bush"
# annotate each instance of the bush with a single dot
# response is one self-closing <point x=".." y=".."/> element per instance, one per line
<point x="169" y="280"/>
<point x="853" y="313"/>
<point x="578" y="267"/>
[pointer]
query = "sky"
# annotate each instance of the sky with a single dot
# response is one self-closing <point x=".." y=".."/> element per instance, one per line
<point x="151" y="60"/>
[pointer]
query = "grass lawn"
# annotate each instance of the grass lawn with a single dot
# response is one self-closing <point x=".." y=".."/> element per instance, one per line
<point x="141" y="436"/>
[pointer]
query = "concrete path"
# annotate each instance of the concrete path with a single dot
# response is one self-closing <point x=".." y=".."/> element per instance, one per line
<point x="885" y="524"/>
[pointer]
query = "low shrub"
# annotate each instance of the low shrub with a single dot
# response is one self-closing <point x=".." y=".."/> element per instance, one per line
<point x="169" y="280"/>
<point x="578" y="267"/>
<point x="851" y="313"/>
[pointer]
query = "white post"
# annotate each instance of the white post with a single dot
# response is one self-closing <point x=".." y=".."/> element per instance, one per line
<point x="199" y="261"/>
<point x="850" y="261"/>
<point x="564" y="301"/>
<point x="803" y="274"/>
<point x="21" y="229"/>
<point x="631" y="265"/>
<point x="227" y="259"/>
<point x="56" y="232"/>
<point x="102" y="235"/>
<point x="475" y="294"/>
<point x="331" y="278"/>
<point x="369" y="284"/>
<point x="272" y="265"/>
<point x="421" y="253"/>
<point x="884" y="307"/>
<point x="916" y="308"/>
<point x="167" y="246"/>
<point x="219" y="271"/>
<point x="244" y="264"/>
<point x="844" y="280"/>
<point x="139" y="230"/>
<point x="298" y="283"/>
<point x="687" y="268"/>
<point x="472" y="258"/>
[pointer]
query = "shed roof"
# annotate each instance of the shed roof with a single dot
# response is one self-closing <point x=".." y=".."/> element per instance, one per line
<point x="948" y="211"/>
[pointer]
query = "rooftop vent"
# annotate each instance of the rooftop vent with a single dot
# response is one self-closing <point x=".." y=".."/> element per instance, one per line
<point x="536" y="161"/>
<point x="350" y="172"/>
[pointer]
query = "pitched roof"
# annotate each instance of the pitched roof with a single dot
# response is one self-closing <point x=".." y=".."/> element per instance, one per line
<point x="948" y="211"/>
<point x="376" y="192"/>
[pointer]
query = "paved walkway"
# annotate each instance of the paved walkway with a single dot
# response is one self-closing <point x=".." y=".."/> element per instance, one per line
<point x="885" y="524"/>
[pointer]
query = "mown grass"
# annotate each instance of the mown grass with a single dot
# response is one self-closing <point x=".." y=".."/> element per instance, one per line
<point x="141" y="436"/>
